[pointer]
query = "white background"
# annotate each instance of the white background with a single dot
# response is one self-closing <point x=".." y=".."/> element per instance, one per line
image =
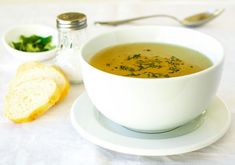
<point x="51" y="139"/>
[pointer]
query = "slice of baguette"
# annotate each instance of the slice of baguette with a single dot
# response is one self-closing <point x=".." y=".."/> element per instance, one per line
<point x="34" y="70"/>
<point x="26" y="66"/>
<point x="29" y="99"/>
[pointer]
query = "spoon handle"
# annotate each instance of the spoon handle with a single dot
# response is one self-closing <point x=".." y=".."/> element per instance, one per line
<point x="119" y="22"/>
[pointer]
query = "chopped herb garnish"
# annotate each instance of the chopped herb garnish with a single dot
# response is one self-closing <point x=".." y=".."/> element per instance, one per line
<point x="33" y="43"/>
<point x="135" y="56"/>
<point x="149" y="60"/>
<point x="173" y="69"/>
<point x="166" y="76"/>
<point x="133" y="74"/>
<point x="148" y="66"/>
<point x="147" y="50"/>
<point x="123" y="67"/>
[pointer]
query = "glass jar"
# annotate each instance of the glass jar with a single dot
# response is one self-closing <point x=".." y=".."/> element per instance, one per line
<point x="72" y="33"/>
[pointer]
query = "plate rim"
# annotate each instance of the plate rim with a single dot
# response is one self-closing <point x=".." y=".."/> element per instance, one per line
<point x="146" y="152"/>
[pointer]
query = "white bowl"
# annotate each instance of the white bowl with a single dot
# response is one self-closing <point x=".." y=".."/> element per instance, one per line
<point x="159" y="104"/>
<point x="28" y="30"/>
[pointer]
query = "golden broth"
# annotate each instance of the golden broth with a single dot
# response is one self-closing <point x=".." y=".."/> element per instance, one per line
<point x="149" y="60"/>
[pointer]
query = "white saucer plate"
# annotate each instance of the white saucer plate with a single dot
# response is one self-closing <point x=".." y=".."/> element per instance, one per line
<point x="199" y="133"/>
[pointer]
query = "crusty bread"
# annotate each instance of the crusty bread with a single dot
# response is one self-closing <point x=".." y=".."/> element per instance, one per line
<point x="35" y="88"/>
<point x="27" y="100"/>
<point x="26" y="66"/>
<point x="66" y="86"/>
<point x="34" y="70"/>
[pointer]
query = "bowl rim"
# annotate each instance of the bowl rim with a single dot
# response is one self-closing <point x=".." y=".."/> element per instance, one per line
<point x="196" y="74"/>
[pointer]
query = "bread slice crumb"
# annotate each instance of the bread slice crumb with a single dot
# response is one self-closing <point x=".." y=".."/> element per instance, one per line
<point x="30" y="99"/>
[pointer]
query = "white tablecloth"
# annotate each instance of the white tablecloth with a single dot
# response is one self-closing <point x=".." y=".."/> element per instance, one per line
<point x="51" y="139"/>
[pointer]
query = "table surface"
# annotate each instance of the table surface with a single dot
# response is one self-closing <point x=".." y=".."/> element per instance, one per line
<point x="51" y="139"/>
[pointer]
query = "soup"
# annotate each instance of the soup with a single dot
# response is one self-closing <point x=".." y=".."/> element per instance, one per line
<point x="150" y="60"/>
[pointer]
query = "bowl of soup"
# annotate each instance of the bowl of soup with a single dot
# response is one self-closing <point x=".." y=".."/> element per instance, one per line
<point x="151" y="78"/>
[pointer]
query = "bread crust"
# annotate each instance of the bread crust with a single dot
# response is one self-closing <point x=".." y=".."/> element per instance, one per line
<point x="35" y="113"/>
<point x="67" y="84"/>
<point x="32" y="65"/>
<point x="25" y="73"/>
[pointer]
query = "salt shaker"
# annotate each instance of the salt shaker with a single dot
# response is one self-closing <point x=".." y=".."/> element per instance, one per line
<point x="72" y="33"/>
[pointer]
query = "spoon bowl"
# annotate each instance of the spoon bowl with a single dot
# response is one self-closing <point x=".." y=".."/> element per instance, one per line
<point x="201" y="18"/>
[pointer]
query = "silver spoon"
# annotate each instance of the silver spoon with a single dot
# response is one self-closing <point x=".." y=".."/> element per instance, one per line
<point x="191" y="21"/>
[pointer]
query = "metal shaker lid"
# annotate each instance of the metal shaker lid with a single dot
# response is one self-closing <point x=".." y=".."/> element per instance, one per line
<point x="71" y="21"/>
